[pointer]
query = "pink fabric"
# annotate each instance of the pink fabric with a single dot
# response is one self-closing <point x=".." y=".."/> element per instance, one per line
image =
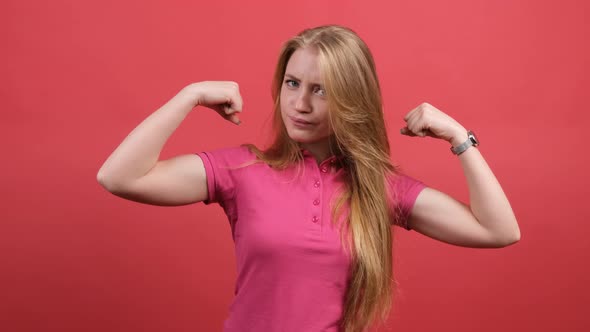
<point x="292" y="270"/>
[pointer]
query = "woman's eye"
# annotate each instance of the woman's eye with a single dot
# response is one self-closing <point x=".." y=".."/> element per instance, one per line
<point x="320" y="91"/>
<point x="291" y="83"/>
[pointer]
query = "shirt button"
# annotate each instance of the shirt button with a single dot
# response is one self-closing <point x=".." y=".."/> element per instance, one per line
<point x="316" y="202"/>
<point x="317" y="184"/>
<point x="315" y="219"/>
<point x="324" y="169"/>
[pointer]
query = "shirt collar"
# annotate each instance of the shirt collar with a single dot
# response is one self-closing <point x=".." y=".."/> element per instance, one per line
<point x="336" y="160"/>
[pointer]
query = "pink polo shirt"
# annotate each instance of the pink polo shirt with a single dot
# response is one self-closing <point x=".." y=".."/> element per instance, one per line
<point x="292" y="270"/>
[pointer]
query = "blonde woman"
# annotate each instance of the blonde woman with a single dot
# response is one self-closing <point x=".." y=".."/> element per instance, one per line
<point x="312" y="215"/>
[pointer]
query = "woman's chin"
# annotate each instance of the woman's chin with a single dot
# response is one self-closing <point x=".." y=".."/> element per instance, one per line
<point x="300" y="139"/>
<point x="304" y="137"/>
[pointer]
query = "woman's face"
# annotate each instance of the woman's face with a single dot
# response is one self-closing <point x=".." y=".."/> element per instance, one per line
<point x="304" y="105"/>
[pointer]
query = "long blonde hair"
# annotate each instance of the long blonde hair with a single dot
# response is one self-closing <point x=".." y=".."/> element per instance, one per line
<point x="360" y="138"/>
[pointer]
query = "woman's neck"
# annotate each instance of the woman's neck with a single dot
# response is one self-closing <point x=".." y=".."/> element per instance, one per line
<point x="319" y="150"/>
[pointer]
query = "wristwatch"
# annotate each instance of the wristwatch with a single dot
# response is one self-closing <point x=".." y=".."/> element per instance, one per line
<point x="471" y="141"/>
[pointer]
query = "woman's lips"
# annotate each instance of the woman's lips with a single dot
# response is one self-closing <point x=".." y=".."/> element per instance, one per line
<point x="300" y="122"/>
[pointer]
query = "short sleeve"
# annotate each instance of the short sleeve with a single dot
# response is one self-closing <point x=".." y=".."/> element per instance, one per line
<point x="222" y="169"/>
<point x="403" y="191"/>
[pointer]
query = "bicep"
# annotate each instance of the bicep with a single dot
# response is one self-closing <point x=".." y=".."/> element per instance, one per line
<point x="180" y="180"/>
<point x="441" y="217"/>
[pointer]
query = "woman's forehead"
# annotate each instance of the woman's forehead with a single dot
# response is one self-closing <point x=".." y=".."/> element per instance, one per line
<point x="304" y="65"/>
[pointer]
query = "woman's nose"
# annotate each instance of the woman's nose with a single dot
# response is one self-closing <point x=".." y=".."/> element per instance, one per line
<point x="302" y="102"/>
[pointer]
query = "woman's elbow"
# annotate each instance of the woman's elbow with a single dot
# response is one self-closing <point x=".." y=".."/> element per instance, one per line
<point x="107" y="182"/>
<point x="513" y="239"/>
<point x="509" y="238"/>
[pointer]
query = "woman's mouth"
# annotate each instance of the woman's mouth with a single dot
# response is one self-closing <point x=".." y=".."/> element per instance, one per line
<point x="300" y="122"/>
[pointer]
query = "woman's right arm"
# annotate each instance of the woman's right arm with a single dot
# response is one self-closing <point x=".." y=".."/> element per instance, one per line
<point x="133" y="170"/>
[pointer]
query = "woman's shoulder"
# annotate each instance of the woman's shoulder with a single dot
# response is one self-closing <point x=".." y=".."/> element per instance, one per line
<point x="233" y="155"/>
<point x="401" y="182"/>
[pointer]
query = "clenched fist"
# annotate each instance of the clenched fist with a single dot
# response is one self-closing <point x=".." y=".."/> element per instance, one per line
<point x="221" y="96"/>
<point x="427" y="120"/>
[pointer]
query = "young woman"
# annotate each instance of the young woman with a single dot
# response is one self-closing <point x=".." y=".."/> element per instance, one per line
<point x="311" y="215"/>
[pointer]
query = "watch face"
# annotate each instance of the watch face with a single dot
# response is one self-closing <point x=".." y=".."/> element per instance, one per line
<point x="473" y="138"/>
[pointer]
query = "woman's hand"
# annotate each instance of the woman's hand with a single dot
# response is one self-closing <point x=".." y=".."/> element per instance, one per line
<point x="427" y="120"/>
<point x="221" y="96"/>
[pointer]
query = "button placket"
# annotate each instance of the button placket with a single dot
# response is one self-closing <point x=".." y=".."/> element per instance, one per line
<point x="317" y="192"/>
<point x="323" y="172"/>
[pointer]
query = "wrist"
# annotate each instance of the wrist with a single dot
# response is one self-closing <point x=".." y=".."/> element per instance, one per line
<point x="191" y="94"/>
<point x="459" y="137"/>
<point x="469" y="142"/>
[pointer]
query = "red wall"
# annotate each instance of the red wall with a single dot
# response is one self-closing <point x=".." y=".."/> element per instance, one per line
<point x="76" y="77"/>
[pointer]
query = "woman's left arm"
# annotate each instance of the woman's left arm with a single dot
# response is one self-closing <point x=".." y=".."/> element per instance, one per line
<point x="488" y="221"/>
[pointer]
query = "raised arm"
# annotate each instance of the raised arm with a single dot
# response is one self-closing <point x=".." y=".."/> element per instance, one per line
<point x="133" y="170"/>
<point x="488" y="221"/>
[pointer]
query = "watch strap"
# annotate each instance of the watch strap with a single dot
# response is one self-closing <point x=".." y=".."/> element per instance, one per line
<point x="471" y="141"/>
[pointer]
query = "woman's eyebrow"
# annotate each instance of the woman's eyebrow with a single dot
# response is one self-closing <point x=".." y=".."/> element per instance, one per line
<point x="291" y="76"/>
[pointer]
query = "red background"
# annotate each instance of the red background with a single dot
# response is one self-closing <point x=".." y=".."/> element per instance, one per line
<point x="77" y="77"/>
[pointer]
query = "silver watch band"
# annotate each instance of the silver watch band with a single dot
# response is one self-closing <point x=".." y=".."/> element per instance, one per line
<point x="471" y="141"/>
